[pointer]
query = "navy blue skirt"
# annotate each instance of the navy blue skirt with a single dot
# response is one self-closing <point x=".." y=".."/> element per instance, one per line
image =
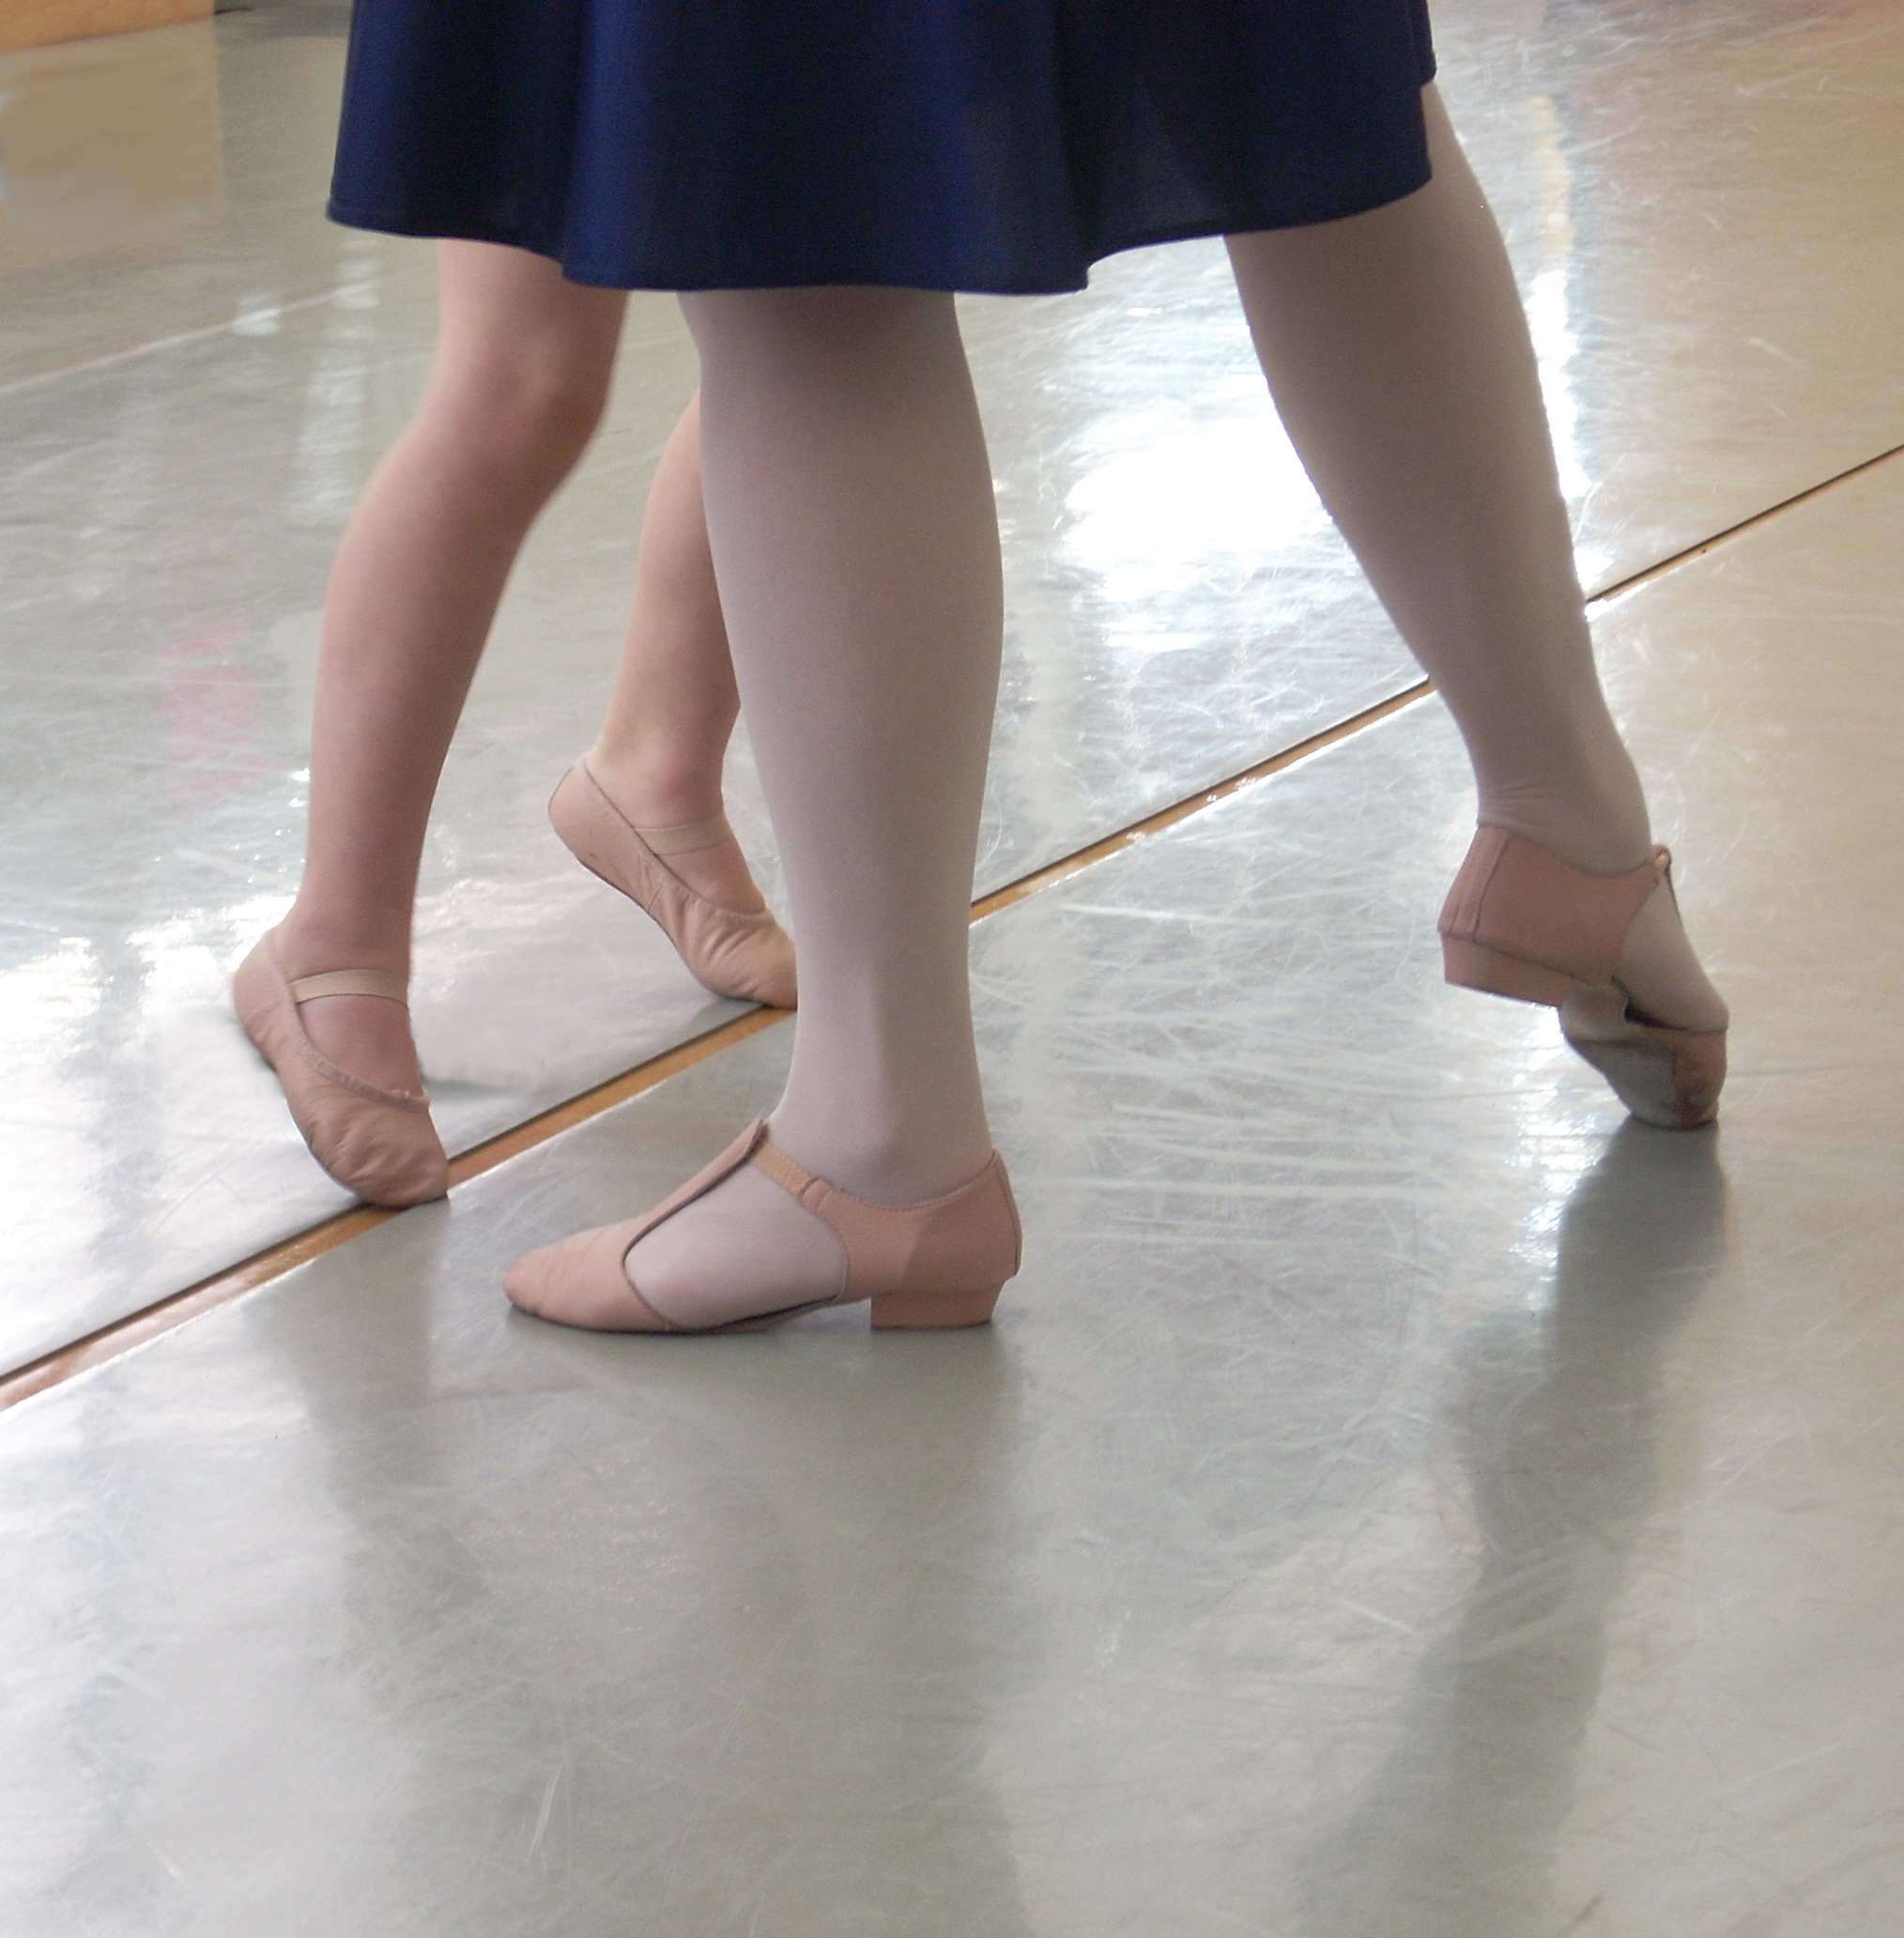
<point x="974" y="144"/>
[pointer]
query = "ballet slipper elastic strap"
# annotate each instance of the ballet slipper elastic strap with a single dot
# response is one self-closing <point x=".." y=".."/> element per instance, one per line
<point x="352" y="983"/>
<point x="686" y="837"/>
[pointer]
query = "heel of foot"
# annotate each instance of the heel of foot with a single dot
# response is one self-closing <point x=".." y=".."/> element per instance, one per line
<point x="1474" y="965"/>
<point x="918" y="1312"/>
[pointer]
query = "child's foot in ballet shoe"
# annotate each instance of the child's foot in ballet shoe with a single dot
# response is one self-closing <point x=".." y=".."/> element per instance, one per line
<point x="755" y="1240"/>
<point x="365" y="1035"/>
<point x="717" y="869"/>
<point x="690" y="876"/>
<point x="349" y="1073"/>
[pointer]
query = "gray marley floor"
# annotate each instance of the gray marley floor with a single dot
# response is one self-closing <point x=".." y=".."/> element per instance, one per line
<point x="1398" y="1497"/>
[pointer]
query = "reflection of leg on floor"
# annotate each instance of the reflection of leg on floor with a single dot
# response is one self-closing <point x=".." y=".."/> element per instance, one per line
<point x="521" y="377"/>
<point x="643" y="808"/>
<point x="658" y="757"/>
<point x="1557" y="1422"/>
<point x="1399" y="357"/>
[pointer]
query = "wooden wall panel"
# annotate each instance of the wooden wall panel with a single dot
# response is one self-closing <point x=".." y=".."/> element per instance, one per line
<point x="36" y="22"/>
<point x="107" y="143"/>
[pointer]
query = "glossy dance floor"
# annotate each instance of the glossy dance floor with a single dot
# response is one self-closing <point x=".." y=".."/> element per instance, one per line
<point x="1397" y="1498"/>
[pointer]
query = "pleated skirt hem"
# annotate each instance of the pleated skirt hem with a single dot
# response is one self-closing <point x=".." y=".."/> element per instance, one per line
<point x="834" y="272"/>
<point x="999" y="147"/>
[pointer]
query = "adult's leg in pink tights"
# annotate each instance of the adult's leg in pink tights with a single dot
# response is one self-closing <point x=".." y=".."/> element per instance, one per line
<point x="1398" y="354"/>
<point x="848" y="500"/>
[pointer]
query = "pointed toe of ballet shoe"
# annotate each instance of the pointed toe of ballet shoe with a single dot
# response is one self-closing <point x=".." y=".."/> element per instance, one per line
<point x="391" y="1166"/>
<point x="779" y="987"/>
<point x="753" y="965"/>
<point x="379" y="1144"/>
<point x="580" y="1281"/>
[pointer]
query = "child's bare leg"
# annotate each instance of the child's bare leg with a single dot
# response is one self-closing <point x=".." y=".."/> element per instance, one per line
<point x="675" y="704"/>
<point x="522" y="372"/>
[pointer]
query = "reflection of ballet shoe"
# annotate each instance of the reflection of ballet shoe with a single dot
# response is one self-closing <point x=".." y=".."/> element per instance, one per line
<point x="379" y="1143"/>
<point x="1521" y="922"/>
<point x="746" y="956"/>
<point x="936" y="1265"/>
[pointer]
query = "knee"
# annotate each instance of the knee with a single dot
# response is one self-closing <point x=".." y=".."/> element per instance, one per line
<point x="556" y="405"/>
<point x="522" y="414"/>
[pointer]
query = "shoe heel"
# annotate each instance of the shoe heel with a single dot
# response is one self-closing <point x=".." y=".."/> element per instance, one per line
<point x="1474" y="965"/>
<point x="937" y="1311"/>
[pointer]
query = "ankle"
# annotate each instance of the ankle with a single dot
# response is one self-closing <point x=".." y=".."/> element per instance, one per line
<point x="885" y="1166"/>
<point x="310" y="944"/>
<point x="657" y="789"/>
<point x="1592" y="850"/>
<point x="1597" y="836"/>
<point x="1579" y="798"/>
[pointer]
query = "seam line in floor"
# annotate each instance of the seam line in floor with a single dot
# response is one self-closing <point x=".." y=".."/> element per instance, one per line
<point x="1633" y="583"/>
<point x="122" y="1336"/>
<point x="131" y="353"/>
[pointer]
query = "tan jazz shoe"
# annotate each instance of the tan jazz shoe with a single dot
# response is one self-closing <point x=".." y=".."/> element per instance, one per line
<point x="746" y="956"/>
<point x="1521" y="922"/>
<point x="936" y="1265"/>
<point x="379" y="1143"/>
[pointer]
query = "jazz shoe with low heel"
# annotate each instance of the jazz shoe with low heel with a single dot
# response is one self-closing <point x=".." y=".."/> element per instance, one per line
<point x="932" y="1266"/>
<point x="733" y="954"/>
<point x="1521" y="922"/>
<point x="377" y="1143"/>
